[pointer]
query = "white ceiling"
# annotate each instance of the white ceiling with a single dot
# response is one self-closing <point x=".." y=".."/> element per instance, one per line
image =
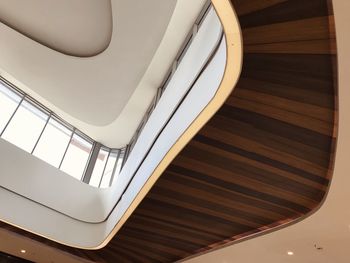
<point x="329" y="227"/>
<point x="106" y="95"/>
<point x="75" y="27"/>
<point x="95" y="89"/>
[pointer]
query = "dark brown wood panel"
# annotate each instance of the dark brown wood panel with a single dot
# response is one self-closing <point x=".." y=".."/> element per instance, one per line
<point x="263" y="160"/>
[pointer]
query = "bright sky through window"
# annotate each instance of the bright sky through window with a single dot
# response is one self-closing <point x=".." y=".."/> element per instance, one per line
<point x="33" y="128"/>
<point x="55" y="136"/>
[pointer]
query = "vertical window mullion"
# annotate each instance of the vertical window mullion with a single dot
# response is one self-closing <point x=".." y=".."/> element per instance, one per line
<point x="13" y="114"/>
<point x="90" y="164"/>
<point x="65" y="152"/>
<point x="114" y="168"/>
<point x="126" y="152"/>
<point x="37" y="141"/>
<point x="104" y="168"/>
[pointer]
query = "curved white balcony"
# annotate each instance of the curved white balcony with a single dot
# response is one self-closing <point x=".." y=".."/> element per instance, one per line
<point x="40" y="198"/>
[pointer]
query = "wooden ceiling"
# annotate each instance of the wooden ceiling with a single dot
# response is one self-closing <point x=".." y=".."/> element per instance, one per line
<point x="265" y="158"/>
<point x="6" y="258"/>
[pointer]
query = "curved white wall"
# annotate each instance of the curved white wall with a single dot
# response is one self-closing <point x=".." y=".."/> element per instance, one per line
<point x="101" y="201"/>
<point x="95" y="204"/>
<point x="34" y="217"/>
<point x="80" y="28"/>
<point x="126" y="75"/>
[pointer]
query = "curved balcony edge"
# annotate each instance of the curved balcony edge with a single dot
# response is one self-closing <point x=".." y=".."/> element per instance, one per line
<point x="68" y="230"/>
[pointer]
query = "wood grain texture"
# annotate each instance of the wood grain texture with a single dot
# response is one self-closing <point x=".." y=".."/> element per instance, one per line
<point x="263" y="160"/>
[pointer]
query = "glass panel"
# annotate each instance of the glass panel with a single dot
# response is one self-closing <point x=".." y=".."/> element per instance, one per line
<point x="98" y="169"/>
<point x="109" y="170"/>
<point x="8" y="104"/>
<point x="25" y="126"/>
<point x="76" y="157"/>
<point x="53" y="143"/>
<point x="119" y="165"/>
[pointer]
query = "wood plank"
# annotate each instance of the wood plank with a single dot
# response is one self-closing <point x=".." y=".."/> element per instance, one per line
<point x="243" y="7"/>
<point x="291" y="105"/>
<point x="256" y="163"/>
<point x="247" y="181"/>
<point x="296" y="119"/>
<point x="283" y="89"/>
<point x="300" y="30"/>
<point x="265" y="149"/>
<point x="322" y="46"/>
<point x="284" y="12"/>
<point x="266" y="156"/>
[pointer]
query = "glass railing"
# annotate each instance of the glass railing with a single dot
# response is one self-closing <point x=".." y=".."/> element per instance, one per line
<point x="30" y="126"/>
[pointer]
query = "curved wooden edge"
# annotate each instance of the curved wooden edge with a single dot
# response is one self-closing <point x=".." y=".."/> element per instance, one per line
<point x="234" y="60"/>
<point x="287" y="223"/>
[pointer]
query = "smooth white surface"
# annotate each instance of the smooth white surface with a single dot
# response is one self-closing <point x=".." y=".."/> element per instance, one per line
<point x="43" y="183"/>
<point x="203" y="91"/>
<point x="329" y="227"/>
<point x="75" y="27"/>
<point x="96" y="89"/>
<point x="53" y="143"/>
<point x="80" y="195"/>
<point x="190" y="66"/>
<point x="107" y="95"/>
<point x="29" y="215"/>
<point x="9" y="102"/>
<point x="19" y="132"/>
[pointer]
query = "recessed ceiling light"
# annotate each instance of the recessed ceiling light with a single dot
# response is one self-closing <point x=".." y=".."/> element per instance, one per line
<point x="290" y="253"/>
<point x="23" y="251"/>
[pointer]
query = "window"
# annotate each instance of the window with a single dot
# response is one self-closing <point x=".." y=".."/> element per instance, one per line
<point x="25" y="126"/>
<point x="76" y="157"/>
<point x="9" y="101"/>
<point x="99" y="167"/>
<point x="53" y="142"/>
<point x="119" y="162"/>
<point x="35" y="129"/>
<point x="109" y="170"/>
